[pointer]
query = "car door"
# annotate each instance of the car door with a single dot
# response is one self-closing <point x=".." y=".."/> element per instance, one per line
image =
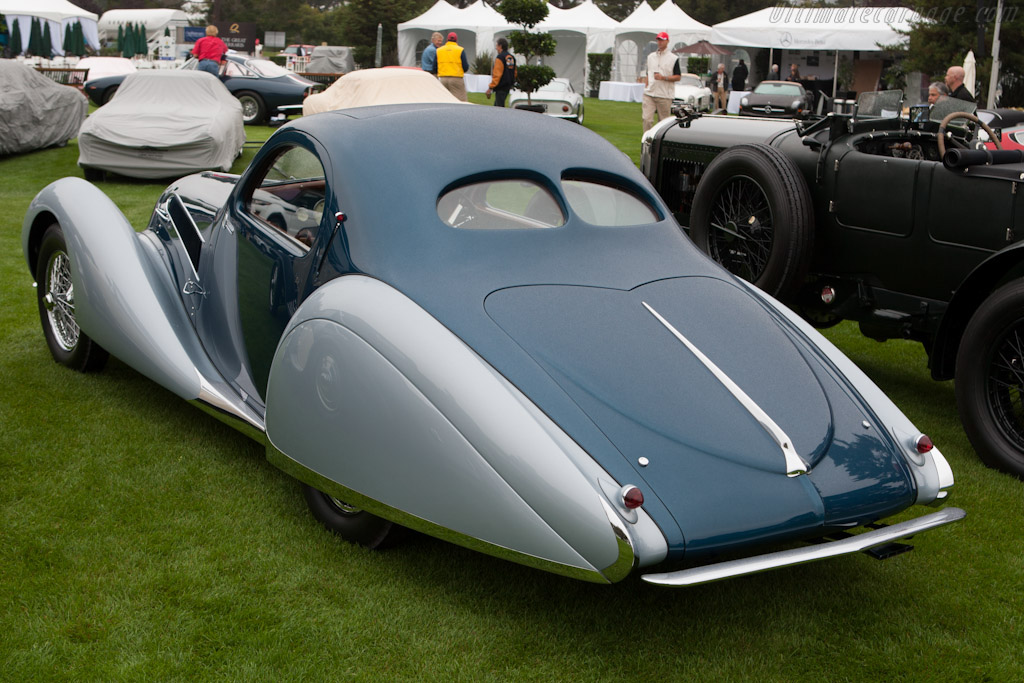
<point x="282" y="215"/>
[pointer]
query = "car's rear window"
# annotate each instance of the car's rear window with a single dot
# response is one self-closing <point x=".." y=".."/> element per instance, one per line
<point x="525" y="204"/>
<point x="603" y="204"/>
<point x="500" y="205"/>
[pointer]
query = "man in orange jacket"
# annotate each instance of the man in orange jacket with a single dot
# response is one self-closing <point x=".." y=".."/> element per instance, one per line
<point x="503" y="75"/>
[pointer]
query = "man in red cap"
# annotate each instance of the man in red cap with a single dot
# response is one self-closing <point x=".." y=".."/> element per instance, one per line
<point x="661" y="74"/>
<point x="452" y="66"/>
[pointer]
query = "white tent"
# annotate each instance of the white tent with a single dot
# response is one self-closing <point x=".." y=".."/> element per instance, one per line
<point x="57" y="13"/>
<point x="154" y="20"/>
<point x="817" y="28"/>
<point x="637" y="31"/>
<point x="582" y="29"/>
<point x="475" y="26"/>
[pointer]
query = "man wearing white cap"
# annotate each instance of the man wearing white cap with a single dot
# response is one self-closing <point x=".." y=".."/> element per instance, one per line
<point x="662" y="72"/>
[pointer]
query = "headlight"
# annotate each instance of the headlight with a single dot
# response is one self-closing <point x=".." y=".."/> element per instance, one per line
<point x="744" y="102"/>
<point x="796" y="104"/>
<point x="691" y="100"/>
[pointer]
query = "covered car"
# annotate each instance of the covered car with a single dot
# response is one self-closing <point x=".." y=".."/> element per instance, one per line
<point x="777" y="99"/>
<point x="163" y="124"/>
<point x="388" y="85"/>
<point x="104" y="67"/>
<point x="331" y="59"/>
<point x="690" y="91"/>
<point x="557" y="99"/>
<point x="35" y="112"/>
<point x="519" y="352"/>
<point x="264" y="88"/>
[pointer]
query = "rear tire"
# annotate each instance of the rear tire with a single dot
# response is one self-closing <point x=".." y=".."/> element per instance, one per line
<point x="55" y="294"/>
<point x="351" y="523"/>
<point x="752" y="214"/>
<point x="254" y="112"/>
<point x="93" y="175"/>
<point x="990" y="379"/>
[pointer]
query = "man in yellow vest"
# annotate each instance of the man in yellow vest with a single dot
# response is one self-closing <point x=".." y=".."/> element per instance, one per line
<point x="452" y="66"/>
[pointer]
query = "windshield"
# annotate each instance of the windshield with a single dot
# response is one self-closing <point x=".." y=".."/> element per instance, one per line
<point x="783" y="89"/>
<point x="265" y="67"/>
<point x="886" y="104"/>
<point x="690" y="80"/>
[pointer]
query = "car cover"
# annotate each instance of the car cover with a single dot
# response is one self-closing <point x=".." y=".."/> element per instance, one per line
<point x="331" y="59"/>
<point x="389" y="85"/>
<point x="164" y="123"/>
<point x="35" y="112"/>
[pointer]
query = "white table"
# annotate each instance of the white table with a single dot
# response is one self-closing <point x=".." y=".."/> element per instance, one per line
<point x="476" y="82"/>
<point x="621" y="91"/>
<point x="733" y="106"/>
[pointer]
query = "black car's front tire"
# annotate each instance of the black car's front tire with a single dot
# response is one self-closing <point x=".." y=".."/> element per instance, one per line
<point x="254" y="111"/>
<point x="752" y="213"/>
<point x="351" y="523"/>
<point x="55" y="295"/>
<point x="990" y="379"/>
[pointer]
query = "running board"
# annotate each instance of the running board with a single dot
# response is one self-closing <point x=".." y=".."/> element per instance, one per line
<point x="823" y="551"/>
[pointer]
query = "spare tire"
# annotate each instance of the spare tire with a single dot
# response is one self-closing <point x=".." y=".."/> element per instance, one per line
<point x="752" y="214"/>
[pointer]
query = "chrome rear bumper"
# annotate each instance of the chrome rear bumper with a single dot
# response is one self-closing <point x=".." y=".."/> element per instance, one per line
<point x="785" y="558"/>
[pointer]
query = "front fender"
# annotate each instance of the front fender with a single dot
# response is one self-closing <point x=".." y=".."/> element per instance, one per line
<point x="125" y="299"/>
<point x="370" y="392"/>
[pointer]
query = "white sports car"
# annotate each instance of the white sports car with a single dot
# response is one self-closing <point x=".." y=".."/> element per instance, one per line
<point x="691" y="91"/>
<point x="557" y="98"/>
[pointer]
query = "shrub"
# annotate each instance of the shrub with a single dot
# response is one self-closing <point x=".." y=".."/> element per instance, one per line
<point x="482" y="64"/>
<point x="528" y="45"/>
<point x="600" y="68"/>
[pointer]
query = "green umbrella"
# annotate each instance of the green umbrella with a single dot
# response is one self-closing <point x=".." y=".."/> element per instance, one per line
<point x="128" y="50"/>
<point x="35" y="38"/>
<point x="47" y="45"/>
<point x="120" y="38"/>
<point x="67" y="45"/>
<point x="79" y="39"/>
<point x="15" y="38"/>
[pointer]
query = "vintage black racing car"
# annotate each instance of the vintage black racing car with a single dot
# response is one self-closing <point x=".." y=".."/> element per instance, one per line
<point x="868" y="217"/>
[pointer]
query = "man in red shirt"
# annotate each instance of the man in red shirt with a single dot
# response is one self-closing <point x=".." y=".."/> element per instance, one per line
<point x="210" y="51"/>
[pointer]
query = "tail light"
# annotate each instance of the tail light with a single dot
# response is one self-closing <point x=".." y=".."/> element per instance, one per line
<point x="923" y="444"/>
<point x="632" y="497"/>
<point x="565" y="108"/>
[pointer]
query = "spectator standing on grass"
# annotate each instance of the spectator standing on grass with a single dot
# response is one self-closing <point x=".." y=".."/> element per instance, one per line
<point x="662" y="71"/>
<point x="739" y="77"/>
<point x="955" y="82"/>
<point x="428" y="61"/>
<point x="210" y="51"/>
<point x="452" y="66"/>
<point x="503" y="74"/>
<point x="720" y="87"/>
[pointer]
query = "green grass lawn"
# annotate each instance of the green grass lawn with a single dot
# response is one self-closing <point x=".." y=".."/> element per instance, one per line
<point x="142" y="540"/>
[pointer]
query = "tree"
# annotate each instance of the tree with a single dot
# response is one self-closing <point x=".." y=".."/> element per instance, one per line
<point x="714" y="11"/>
<point x="617" y="9"/>
<point x="528" y="44"/>
<point x="952" y="27"/>
<point x="359" y="21"/>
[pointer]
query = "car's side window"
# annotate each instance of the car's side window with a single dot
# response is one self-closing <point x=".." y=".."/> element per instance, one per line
<point x="602" y="204"/>
<point x="290" y="195"/>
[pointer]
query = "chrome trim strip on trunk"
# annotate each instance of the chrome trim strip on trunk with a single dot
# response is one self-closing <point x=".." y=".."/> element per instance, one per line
<point x="794" y="463"/>
<point x="786" y="558"/>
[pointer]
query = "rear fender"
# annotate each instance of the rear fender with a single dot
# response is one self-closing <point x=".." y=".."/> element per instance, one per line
<point x="125" y="299"/>
<point x="373" y="398"/>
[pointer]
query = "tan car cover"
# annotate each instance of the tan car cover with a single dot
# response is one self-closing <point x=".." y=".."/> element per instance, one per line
<point x="35" y="112"/>
<point x="388" y="85"/>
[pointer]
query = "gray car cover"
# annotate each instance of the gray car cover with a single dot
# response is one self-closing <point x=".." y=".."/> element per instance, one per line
<point x="35" y="112"/>
<point x="331" y="59"/>
<point x="164" y="123"/>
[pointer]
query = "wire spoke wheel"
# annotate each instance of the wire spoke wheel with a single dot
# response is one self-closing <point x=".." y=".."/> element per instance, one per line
<point x="742" y="228"/>
<point x="59" y="300"/>
<point x="1005" y="385"/>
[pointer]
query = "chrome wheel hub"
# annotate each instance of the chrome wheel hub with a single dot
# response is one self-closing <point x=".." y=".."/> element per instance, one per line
<point x="59" y="301"/>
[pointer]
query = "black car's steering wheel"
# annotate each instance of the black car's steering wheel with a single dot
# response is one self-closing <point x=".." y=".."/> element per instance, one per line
<point x="970" y="117"/>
